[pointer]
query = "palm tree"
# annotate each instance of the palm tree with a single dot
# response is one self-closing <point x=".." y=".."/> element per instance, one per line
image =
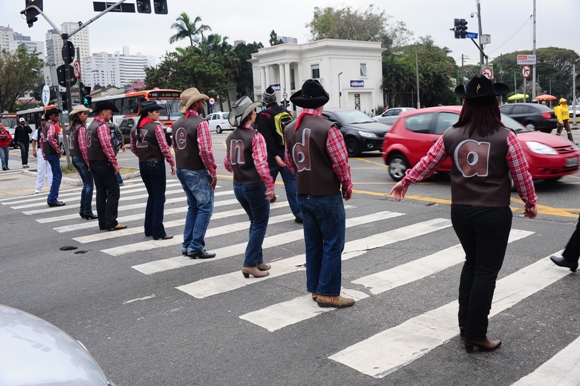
<point x="186" y="29"/>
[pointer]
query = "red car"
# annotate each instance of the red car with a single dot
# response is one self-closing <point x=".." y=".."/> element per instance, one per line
<point x="550" y="157"/>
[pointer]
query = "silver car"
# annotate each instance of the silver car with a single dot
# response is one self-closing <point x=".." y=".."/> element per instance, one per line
<point x="390" y="116"/>
<point x="35" y="352"/>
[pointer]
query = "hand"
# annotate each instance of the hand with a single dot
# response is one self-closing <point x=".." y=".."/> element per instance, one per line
<point x="270" y="195"/>
<point x="117" y="169"/>
<point x="531" y="212"/>
<point x="34" y="153"/>
<point x="173" y="170"/>
<point x="280" y="161"/>
<point x="346" y="194"/>
<point x="213" y="183"/>
<point x="399" y="191"/>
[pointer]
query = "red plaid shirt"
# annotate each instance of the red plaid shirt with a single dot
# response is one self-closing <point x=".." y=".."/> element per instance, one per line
<point x="51" y="138"/>
<point x="260" y="156"/>
<point x="204" y="144"/>
<point x="82" y="137"/>
<point x="515" y="159"/>
<point x="104" y="135"/>
<point x="160" y="136"/>
<point x="335" y="148"/>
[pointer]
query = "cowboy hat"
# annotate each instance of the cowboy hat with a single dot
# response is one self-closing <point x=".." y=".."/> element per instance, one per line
<point x="80" y="109"/>
<point x="189" y="97"/>
<point x="100" y="106"/>
<point x="150" y="106"/>
<point x="479" y="86"/>
<point x="311" y="95"/>
<point x="241" y="109"/>
<point x="52" y="111"/>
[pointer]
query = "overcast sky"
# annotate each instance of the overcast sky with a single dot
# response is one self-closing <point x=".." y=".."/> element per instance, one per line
<point x="508" y="22"/>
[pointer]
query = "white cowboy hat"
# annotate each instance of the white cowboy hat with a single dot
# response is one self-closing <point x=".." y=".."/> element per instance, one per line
<point x="240" y="110"/>
<point x="189" y="97"/>
<point x="79" y="109"/>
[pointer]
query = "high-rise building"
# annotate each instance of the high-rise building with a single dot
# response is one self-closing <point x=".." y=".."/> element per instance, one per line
<point x="54" y="43"/>
<point x="10" y="40"/>
<point x="118" y="69"/>
<point x="288" y="39"/>
<point x="6" y="37"/>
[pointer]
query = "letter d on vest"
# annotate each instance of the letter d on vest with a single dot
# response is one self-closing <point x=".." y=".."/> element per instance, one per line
<point x="301" y="152"/>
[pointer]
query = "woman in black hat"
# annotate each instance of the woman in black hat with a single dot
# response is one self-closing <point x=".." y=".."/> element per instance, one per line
<point x="149" y="144"/>
<point x="484" y="153"/>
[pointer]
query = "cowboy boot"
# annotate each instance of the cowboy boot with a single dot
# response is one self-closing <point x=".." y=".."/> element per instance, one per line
<point x="254" y="271"/>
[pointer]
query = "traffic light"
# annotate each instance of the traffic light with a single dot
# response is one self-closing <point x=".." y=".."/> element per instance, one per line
<point x="32" y="13"/>
<point x="462" y="28"/>
<point x="144" y="6"/>
<point x="64" y="101"/>
<point x="84" y="91"/>
<point x="456" y="29"/>
<point x="160" y="7"/>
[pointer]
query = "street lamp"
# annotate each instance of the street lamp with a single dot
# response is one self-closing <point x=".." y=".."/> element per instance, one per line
<point x="417" y="75"/>
<point x="339" y="92"/>
<point x="574" y="88"/>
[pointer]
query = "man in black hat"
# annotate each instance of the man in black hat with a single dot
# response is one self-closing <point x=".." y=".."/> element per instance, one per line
<point x="103" y="164"/>
<point x="51" y="152"/>
<point x="270" y="123"/>
<point x="316" y="154"/>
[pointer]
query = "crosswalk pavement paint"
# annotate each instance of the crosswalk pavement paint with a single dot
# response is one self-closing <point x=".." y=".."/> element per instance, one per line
<point x="389" y="350"/>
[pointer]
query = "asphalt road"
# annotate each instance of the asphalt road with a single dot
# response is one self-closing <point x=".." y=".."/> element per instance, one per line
<point x="150" y="317"/>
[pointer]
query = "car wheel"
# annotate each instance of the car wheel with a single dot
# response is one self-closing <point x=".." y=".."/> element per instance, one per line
<point x="352" y="147"/>
<point x="398" y="166"/>
<point x="218" y="130"/>
<point x="530" y="126"/>
<point x="553" y="179"/>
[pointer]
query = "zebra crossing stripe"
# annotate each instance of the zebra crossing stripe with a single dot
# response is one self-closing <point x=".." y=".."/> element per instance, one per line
<point x="421" y="268"/>
<point x="237" y="249"/>
<point x="293" y="311"/>
<point x="234" y="280"/>
<point x="562" y="369"/>
<point x="391" y="349"/>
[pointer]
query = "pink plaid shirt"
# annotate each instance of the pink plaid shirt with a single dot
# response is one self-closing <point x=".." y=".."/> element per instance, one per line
<point x="204" y="144"/>
<point x="82" y="137"/>
<point x="515" y="159"/>
<point x="335" y="148"/>
<point x="51" y="138"/>
<point x="104" y="135"/>
<point x="260" y="157"/>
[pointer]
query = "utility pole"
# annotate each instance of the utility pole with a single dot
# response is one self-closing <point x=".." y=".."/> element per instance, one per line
<point x="534" y="68"/>
<point x="480" y="32"/>
<point x="462" y="74"/>
<point x="417" y="75"/>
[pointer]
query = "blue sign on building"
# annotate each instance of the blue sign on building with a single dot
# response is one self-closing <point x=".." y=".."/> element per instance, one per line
<point x="357" y="83"/>
<point x="276" y="87"/>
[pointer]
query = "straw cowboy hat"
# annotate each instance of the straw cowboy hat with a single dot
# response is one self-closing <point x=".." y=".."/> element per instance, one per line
<point x="311" y="95"/>
<point x="241" y="109"/>
<point x="479" y="87"/>
<point x="189" y="97"/>
<point x="80" y="109"/>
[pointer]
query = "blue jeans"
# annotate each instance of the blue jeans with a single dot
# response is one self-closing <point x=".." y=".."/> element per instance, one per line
<point x="252" y="197"/>
<point x="88" y="184"/>
<point x="196" y="185"/>
<point x="54" y="161"/>
<point x="153" y="176"/>
<point x="483" y="232"/>
<point x="289" y="182"/>
<point x="324" y="236"/>
<point x="4" y="153"/>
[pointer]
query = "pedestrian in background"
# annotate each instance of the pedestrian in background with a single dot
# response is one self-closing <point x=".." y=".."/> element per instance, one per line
<point x="196" y="170"/>
<point x="104" y="167"/>
<point x="43" y="170"/>
<point x="118" y="144"/>
<point x="148" y="143"/>
<point x="80" y="157"/>
<point x="22" y="138"/>
<point x="484" y="153"/>
<point x="247" y="158"/>
<point x="316" y="153"/>
<point x="5" y="138"/>
<point x="271" y="122"/>
<point x="563" y="115"/>
<point x="49" y="145"/>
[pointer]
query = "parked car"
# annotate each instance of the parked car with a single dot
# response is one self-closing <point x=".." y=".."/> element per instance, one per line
<point x="532" y="115"/>
<point x="360" y="132"/>
<point x="390" y="116"/>
<point x="127" y="124"/>
<point x="218" y="122"/>
<point x="35" y="352"/>
<point x="550" y="157"/>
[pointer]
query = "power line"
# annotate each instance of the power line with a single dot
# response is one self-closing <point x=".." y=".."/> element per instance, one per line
<point x="515" y="33"/>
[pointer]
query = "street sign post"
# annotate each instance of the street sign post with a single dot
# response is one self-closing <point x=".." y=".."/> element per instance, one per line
<point x="487" y="72"/>
<point x="77" y="69"/>
<point x="45" y="95"/>
<point x="526" y="71"/>
<point x="526" y="59"/>
<point x="285" y="95"/>
<point x="471" y="35"/>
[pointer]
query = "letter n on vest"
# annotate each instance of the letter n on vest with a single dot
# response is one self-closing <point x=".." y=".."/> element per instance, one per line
<point x="301" y="152"/>
<point x="237" y="152"/>
<point x="472" y="158"/>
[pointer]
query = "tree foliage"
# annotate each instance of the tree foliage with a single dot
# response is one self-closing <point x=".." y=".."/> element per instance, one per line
<point x="245" y="81"/>
<point x="20" y="72"/>
<point x="274" y="40"/>
<point x="185" y="28"/>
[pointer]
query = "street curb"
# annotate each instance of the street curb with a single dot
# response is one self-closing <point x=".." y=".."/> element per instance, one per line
<point x="77" y="181"/>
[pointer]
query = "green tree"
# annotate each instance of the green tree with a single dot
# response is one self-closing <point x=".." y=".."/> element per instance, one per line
<point x="274" y="40"/>
<point x="187" y="29"/>
<point x="20" y="72"/>
<point x="245" y="80"/>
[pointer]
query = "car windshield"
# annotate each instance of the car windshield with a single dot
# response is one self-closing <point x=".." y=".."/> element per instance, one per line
<point x="352" y="116"/>
<point x="513" y="124"/>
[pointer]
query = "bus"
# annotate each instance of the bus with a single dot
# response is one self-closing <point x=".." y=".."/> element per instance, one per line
<point x="32" y="116"/>
<point x="10" y="120"/>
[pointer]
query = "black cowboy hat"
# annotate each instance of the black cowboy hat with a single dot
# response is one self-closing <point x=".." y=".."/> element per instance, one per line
<point x="312" y="95"/>
<point x="479" y="86"/>
<point x="52" y="111"/>
<point x="150" y="106"/>
<point x="100" y="106"/>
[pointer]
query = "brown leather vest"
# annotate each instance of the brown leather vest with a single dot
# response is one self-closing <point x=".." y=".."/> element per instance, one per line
<point x="479" y="171"/>
<point x="307" y="146"/>
<point x="94" y="147"/>
<point x="185" y="143"/>
<point x="73" y="146"/>
<point x="239" y="148"/>
<point x="146" y="142"/>
<point x="46" y="146"/>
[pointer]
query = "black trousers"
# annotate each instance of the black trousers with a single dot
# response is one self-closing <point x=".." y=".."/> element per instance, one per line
<point x="108" y="193"/>
<point x="24" y="151"/>
<point x="572" y="251"/>
<point x="483" y="232"/>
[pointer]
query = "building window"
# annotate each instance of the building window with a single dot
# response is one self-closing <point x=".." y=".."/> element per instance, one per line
<point x="315" y="71"/>
<point x="363" y="69"/>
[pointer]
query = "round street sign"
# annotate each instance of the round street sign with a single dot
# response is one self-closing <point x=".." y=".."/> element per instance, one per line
<point x="487" y="72"/>
<point x="45" y="95"/>
<point x="77" y="69"/>
<point x="285" y="95"/>
<point x="526" y="71"/>
<point x="211" y="101"/>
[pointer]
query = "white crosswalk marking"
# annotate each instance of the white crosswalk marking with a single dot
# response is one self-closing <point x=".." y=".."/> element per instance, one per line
<point x="391" y="349"/>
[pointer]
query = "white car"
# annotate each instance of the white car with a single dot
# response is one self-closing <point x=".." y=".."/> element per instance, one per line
<point x="218" y="122"/>
<point x="390" y="116"/>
